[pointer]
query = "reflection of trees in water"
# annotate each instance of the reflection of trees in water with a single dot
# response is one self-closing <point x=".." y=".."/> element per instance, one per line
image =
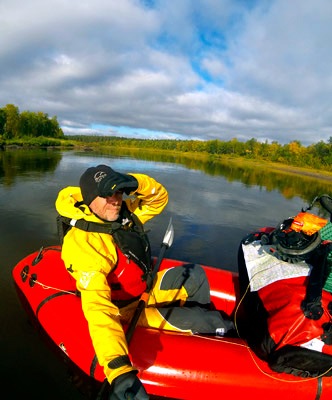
<point x="288" y="184"/>
<point x="18" y="162"/>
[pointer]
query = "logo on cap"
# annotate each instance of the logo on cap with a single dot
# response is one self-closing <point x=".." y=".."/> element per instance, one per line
<point x="98" y="176"/>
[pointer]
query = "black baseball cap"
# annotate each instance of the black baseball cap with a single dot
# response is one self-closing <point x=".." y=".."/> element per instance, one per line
<point x="90" y="181"/>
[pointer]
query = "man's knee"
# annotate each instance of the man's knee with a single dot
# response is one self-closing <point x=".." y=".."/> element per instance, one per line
<point x="192" y="277"/>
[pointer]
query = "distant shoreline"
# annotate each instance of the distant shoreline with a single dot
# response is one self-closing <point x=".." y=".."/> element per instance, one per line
<point x="289" y="169"/>
<point x="283" y="168"/>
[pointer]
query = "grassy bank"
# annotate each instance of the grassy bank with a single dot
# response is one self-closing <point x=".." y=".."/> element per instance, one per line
<point x="39" y="141"/>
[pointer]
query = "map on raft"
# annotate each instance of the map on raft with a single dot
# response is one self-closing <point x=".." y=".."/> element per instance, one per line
<point x="264" y="268"/>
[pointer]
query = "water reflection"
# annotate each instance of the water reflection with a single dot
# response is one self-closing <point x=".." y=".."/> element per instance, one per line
<point x="14" y="163"/>
<point x="288" y="184"/>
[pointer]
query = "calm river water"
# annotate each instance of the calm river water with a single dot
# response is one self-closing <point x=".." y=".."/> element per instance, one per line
<point x="212" y="206"/>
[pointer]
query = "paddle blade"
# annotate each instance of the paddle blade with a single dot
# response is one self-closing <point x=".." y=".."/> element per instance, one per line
<point x="169" y="235"/>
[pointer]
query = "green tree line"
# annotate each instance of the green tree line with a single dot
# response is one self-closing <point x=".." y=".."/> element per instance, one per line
<point x="317" y="155"/>
<point x="36" y="128"/>
<point x="14" y="124"/>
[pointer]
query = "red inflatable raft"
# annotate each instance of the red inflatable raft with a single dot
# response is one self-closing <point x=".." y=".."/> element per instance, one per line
<point x="171" y="365"/>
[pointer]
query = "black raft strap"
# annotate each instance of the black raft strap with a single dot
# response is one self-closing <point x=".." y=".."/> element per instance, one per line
<point x="93" y="366"/>
<point x="118" y="362"/>
<point x="51" y="297"/>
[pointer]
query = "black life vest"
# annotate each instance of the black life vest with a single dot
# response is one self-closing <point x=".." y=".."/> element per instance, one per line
<point x="128" y="280"/>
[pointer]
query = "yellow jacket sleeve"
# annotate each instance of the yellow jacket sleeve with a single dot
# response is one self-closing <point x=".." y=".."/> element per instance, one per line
<point x="151" y="198"/>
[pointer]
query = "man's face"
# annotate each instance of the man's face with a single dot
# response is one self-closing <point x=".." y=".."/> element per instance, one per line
<point x="107" y="208"/>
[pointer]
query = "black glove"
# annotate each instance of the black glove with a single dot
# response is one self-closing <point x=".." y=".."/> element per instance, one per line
<point x="127" y="387"/>
<point x="115" y="181"/>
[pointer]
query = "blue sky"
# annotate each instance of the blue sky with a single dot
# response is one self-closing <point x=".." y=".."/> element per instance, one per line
<point x="182" y="69"/>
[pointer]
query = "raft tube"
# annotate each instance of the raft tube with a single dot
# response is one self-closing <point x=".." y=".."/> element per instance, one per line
<point x="171" y="365"/>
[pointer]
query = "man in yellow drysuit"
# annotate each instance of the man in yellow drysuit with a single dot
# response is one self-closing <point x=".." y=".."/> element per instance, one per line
<point x="107" y="252"/>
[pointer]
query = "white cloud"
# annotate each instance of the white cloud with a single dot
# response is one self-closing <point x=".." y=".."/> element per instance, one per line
<point x="215" y="67"/>
<point x="70" y="130"/>
<point x="208" y="69"/>
<point x="285" y="51"/>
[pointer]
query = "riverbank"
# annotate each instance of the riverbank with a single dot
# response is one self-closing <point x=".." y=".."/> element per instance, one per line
<point x="310" y="173"/>
<point x="282" y="168"/>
